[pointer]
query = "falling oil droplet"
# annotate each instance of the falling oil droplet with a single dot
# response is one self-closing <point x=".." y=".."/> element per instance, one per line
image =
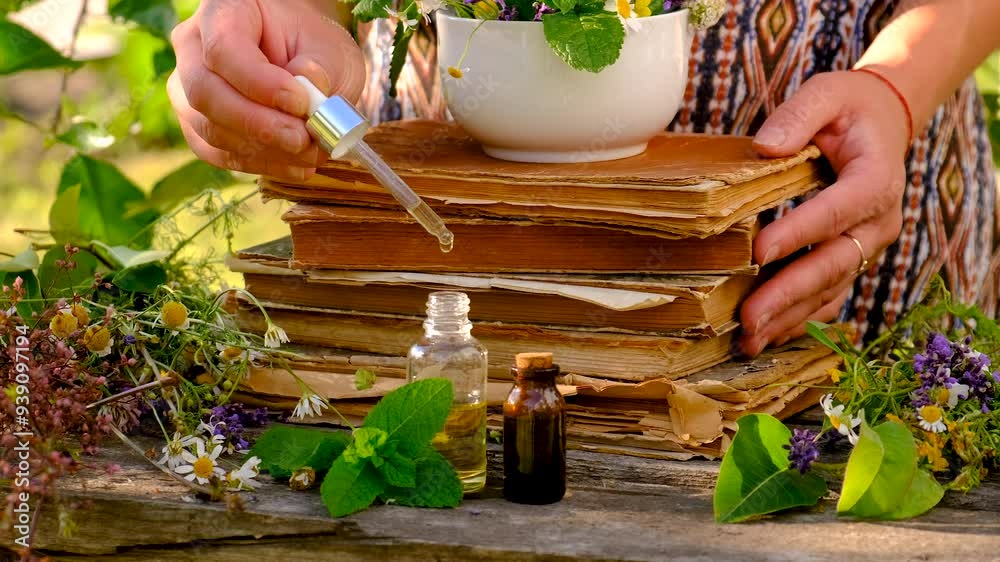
<point x="445" y="248"/>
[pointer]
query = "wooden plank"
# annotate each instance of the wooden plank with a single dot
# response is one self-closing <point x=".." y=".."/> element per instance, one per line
<point x="619" y="508"/>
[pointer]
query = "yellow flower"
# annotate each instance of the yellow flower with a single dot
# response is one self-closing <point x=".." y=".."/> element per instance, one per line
<point x="624" y="10"/>
<point x="81" y="314"/>
<point x="835" y="375"/>
<point x="98" y="340"/>
<point x="454" y="72"/>
<point x="932" y="452"/>
<point x="893" y="417"/>
<point x="174" y="316"/>
<point x="63" y="324"/>
<point x="642" y="8"/>
<point x="931" y="418"/>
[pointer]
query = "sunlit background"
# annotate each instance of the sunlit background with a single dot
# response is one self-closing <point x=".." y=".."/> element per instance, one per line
<point x="120" y="91"/>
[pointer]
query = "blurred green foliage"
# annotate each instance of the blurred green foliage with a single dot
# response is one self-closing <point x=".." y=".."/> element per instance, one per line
<point x="988" y="77"/>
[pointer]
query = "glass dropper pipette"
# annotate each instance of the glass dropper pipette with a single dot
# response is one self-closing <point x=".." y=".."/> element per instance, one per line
<point x="340" y="129"/>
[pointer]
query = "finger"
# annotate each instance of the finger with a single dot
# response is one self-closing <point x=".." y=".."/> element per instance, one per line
<point x="229" y="141"/>
<point x="213" y="97"/>
<point x="335" y="67"/>
<point x="231" y="161"/>
<point x="791" y="323"/>
<point x="231" y="34"/>
<point x="796" y="121"/>
<point x="865" y="188"/>
<point x="827" y="266"/>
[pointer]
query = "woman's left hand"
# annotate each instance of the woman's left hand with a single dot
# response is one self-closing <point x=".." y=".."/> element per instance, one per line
<point x="860" y="125"/>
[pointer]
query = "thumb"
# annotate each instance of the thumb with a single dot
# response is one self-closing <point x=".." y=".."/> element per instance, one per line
<point x="331" y="59"/>
<point x="795" y="122"/>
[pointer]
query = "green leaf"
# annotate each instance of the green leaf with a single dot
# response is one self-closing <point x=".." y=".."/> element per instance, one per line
<point x="365" y="445"/>
<point x="880" y="470"/>
<point x="368" y="10"/>
<point x="412" y="414"/>
<point x="364" y="379"/>
<point x="818" y="331"/>
<point x="86" y="136"/>
<point x="564" y="6"/>
<point x="283" y="449"/>
<point x="123" y="257"/>
<point x="756" y="478"/>
<point x="398" y="471"/>
<point x="64" y="282"/>
<point x="32" y="295"/>
<point x="588" y="42"/>
<point x="436" y="483"/>
<point x="143" y="278"/>
<point x="164" y="61"/>
<point x="155" y="16"/>
<point x="91" y="202"/>
<point x="182" y="184"/>
<point x="400" y="42"/>
<point x="21" y="49"/>
<point x="350" y="487"/>
<point x="25" y="261"/>
<point x="925" y="492"/>
<point x="7" y="6"/>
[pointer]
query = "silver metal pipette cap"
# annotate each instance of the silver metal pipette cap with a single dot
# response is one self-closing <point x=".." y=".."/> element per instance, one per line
<point x="335" y="122"/>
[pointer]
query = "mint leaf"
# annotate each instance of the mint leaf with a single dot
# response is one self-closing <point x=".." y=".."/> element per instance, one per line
<point x="587" y="41"/>
<point x="564" y="6"/>
<point x="755" y="478"/>
<point x="364" y="446"/>
<point x="436" y="483"/>
<point x="350" y="487"/>
<point x="412" y="414"/>
<point x="21" y="49"/>
<point x="400" y="43"/>
<point x="364" y="379"/>
<point x="399" y="471"/>
<point x="284" y="449"/>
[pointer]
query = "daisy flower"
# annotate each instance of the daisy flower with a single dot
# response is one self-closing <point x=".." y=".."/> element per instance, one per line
<point x="309" y="405"/>
<point x="173" y="449"/>
<point x="174" y="316"/>
<point x="407" y="23"/>
<point x="243" y="477"/>
<point x="63" y="324"/>
<point x="201" y="465"/>
<point x="302" y="479"/>
<point x="235" y="354"/>
<point x="97" y="339"/>
<point x="950" y="395"/>
<point x="931" y="418"/>
<point x="844" y="424"/>
<point x="274" y="336"/>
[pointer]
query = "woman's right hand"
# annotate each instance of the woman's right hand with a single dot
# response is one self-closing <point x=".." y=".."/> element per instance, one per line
<point x="233" y="89"/>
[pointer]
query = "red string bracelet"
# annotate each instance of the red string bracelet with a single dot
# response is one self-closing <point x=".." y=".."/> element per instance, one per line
<point x="895" y="90"/>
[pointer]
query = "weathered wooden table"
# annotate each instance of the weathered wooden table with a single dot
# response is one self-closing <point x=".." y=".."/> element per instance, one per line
<point x="619" y="508"/>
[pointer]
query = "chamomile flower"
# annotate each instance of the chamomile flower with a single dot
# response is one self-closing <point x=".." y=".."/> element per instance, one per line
<point x="407" y="23"/>
<point x="63" y="324"/>
<point x="931" y="418"/>
<point x="174" y="316"/>
<point x="309" y="405"/>
<point x="98" y="340"/>
<point x="235" y="354"/>
<point x="214" y="436"/>
<point x="274" y="336"/>
<point x="302" y="479"/>
<point x="950" y="395"/>
<point x="200" y="465"/>
<point x="243" y="477"/>
<point x="843" y="423"/>
<point x="173" y="449"/>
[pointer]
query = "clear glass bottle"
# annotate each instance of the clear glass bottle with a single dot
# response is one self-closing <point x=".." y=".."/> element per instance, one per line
<point x="448" y="350"/>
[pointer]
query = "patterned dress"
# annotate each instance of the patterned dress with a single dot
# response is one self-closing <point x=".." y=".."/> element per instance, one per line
<point x="745" y="66"/>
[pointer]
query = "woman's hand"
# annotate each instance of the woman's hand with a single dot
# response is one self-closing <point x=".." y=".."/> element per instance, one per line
<point x="861" y="127"/>
<point x="234" y="92"/>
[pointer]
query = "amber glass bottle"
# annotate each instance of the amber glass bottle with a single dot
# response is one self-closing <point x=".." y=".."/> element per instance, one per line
<point x="534" y="433"/>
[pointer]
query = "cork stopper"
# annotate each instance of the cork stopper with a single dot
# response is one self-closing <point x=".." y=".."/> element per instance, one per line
<point x="535" y="360"/>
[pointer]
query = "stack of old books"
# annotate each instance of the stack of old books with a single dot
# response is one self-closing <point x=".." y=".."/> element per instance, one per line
<point x="631" y="272"/>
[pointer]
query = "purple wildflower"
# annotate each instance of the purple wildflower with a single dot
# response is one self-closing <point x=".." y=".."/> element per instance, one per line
<point x="541" y="8"/>
<point x="802" y="449"/>
<point x="508" y="13"/>
<point x="945" y="363"/>
<point x="671" y="4"/>
<point x="129" y="339"/>
<point x="231" y="420"/>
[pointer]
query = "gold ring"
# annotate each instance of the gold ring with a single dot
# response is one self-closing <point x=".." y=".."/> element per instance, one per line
<point x="863" y="264"/>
